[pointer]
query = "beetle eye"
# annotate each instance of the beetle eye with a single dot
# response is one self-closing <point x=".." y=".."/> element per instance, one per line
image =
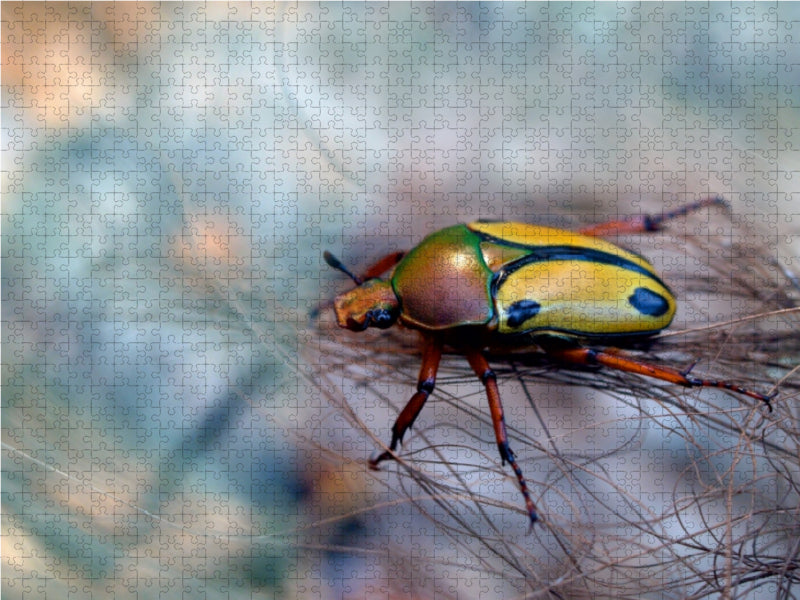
<point x="381" y="318"/>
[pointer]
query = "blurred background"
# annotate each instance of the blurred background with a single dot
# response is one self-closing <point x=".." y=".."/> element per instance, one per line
<point x="175" y="422"/>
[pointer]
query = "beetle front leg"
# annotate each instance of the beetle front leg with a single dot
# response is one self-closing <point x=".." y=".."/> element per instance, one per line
<point x="431" y="355"/>
<point x="487" y="376"/>
<point x="383" y="265"/>
<point x="644" y="223"/>
<point x="587" y="356"/>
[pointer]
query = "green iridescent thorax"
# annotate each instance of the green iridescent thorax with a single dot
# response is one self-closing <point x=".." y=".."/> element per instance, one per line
<point x="444" y="282"/>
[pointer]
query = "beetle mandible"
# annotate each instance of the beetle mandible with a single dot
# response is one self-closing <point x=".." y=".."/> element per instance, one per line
<point x="506" y="284"/>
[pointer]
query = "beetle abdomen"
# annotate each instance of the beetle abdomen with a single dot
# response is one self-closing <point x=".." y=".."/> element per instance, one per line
<point x="581" y="297"/>
<point x="550" y="279"/>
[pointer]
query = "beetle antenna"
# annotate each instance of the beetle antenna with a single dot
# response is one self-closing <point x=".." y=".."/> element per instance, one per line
<point x="337" y="264"/>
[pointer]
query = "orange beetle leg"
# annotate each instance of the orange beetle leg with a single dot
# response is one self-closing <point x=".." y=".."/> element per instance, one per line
<point x="489" y="379"/>
<point x="644" y="223"/>
<point x="587" y="356"/>
<point x="431" y="355"/>
<point x="383" y="265"/>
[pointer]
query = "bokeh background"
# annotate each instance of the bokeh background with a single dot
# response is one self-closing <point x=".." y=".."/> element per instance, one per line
<point x="172" y="173"/>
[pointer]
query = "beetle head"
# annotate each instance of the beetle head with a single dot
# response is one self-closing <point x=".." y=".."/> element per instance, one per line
<point x="372" y="304"/>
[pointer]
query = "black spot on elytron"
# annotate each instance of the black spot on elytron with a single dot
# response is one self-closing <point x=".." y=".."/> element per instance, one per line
<point x="648" y="302"/>
<point x="521" y="311"/>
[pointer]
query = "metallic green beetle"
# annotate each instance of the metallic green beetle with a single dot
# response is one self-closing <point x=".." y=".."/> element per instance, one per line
<point x="503" y="284"/>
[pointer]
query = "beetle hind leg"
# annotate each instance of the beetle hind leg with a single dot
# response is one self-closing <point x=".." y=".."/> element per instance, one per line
<point x="645" y="223"/>
<point x="587" y="356"/>
<point x="487" y="376"/>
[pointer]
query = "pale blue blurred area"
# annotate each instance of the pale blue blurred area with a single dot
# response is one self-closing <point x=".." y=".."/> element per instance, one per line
<point x="173" y="172"/>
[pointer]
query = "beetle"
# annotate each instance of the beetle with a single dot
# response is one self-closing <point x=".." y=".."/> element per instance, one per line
<point x="505" y="284"/>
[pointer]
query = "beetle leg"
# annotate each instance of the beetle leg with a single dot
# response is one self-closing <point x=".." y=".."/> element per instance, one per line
<point x="487" y="376"/>
<point x="587" y="356"/>
<point x="431" y="354"/>
<point x="644" y="223"/>
<point x="383" y="265"/>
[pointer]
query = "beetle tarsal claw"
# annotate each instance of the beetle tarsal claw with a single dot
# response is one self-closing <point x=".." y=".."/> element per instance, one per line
<point x="377" y="457"/>
<point x="689" y="369"/>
